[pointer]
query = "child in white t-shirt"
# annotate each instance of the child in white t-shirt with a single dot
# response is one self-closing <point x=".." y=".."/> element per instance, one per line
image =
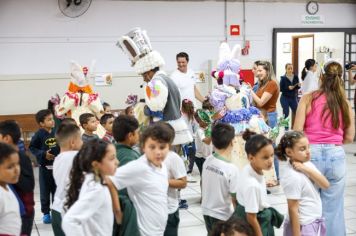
<point x="253" y="205"/>
<point x="10" y="219"/>
<point x="146" y="180"/>
<point x="219" y="178"/>
<point x="177" y="179"/>
<point x="88" y="200"/>
<point x="300" y="180"/>
<point x="69" y="138"/>
<point x="203" y="145"/>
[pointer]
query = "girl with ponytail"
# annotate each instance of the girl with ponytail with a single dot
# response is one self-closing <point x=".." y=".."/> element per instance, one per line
<point x="326" y="118"/>
<point x="310" y="82"/>
<point x="297" y="179"/>
<point x="89" y="205"/>
<point x="253" y="206"/>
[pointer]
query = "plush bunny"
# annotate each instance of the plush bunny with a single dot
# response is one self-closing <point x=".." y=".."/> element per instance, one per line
<point x="80" y="97"/>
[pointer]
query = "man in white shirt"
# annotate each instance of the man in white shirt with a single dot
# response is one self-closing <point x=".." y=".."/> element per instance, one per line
<point x="185" y="79"/>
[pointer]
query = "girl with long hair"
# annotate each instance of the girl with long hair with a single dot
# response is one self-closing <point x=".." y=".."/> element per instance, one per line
<point x="327" y="119"/>
<point x="89" y="204"/>
<point x="301" y="181"/>
<point x="188" y="116"/>
<point x="310" y="82"/>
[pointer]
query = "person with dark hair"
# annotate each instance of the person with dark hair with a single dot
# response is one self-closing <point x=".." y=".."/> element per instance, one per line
<point x="189" y="148"/>
<point x="185" y="79"/>
<point x="126" y="133"/>
<point x="107" y="108"/>
<point x="69" y="139"/>
<point x="309" y="81"/>
<point x="107" y="121"/>
<point x="10" y="220"/>
<point x="162" y="95"/>
<point x="219" y="178"/>
<point x="327" y="119"/>
<point x="289" y="85"/>
<point x="146" y="179"/>
<point x="89" y="124"/>
<point x="232" y="227"/>
<point x="88" y="200"/>
<point x="10" y="133"/>
<point x="68" y="120"/>
<point x="43" y="145"/>
<point x="253" y="205"/>
<point x="129" y="111"/>
<point x="301" y="181"/>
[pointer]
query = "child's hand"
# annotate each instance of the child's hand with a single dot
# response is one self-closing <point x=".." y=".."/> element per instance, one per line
<point x="299" y="166"/>
<point x="49" y="156"/>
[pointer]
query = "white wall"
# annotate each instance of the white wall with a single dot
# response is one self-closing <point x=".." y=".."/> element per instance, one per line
<point x="37" y="39"/>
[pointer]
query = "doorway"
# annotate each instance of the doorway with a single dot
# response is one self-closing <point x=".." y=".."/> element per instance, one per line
<point x="337" y="43"/>
<point x="302" y="49"/>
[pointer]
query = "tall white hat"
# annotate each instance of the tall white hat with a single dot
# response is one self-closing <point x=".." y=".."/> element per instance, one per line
<point x="137" y="46"/>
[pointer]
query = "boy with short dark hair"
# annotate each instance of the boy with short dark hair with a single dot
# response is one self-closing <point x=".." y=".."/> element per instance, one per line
<point x="43" y="145"/>
<point x="69" y="139"/>
<point x="10" y="133"/>
<point x="219" y="178"/>
<point x="89" y="124"/>
<point x="107" y="121"/>
<point x="125" y="130"/>
<point x="146" y="180"/>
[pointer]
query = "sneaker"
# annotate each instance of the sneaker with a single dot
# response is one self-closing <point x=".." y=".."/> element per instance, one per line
<point x="47" y="219"/>
<point x="183" y="205"/>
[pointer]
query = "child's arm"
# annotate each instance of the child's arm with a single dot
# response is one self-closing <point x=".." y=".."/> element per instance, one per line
<point x="293" y="208"/>
<point x="178" y="183"/>
<point x="35" y="148"/>
<point x="115" y="201"/>
<point x="207" y="141"/>
<point x="315" y="176"/>
<point x="252" y="220"/>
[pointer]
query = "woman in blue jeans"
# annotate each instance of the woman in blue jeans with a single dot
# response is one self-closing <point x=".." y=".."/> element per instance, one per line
<point x="266" y="96"/>
<point x="327" y="119"/>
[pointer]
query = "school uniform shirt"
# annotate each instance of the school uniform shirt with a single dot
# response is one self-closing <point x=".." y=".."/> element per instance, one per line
<point x="219" y="181"/>
<point x="10" y="219"/>
<point x="297" y="186"/>
<point x="185" y="82"/>
<point x="252" y="193"/>
<point x="62" y="166"/>
<point x="92" y="213"/>
<point x="203" y="150"/>
<point x="147" y="186"/>
<point x="176" y="170"/>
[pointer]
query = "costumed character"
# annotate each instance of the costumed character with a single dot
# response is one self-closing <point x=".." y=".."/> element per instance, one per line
<point x="80" y="97"/>
<point x="231" y="101"/>
<point x="162" y="96"/>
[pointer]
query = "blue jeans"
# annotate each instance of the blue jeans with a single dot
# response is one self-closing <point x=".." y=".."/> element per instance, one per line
<point x="272" y="122"/>
<point x="330" y="161"/>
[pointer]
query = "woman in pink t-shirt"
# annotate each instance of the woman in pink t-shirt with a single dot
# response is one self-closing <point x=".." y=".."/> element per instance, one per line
<point x="327" y="119"/>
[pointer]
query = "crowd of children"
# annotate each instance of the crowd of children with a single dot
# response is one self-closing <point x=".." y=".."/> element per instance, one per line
<point x="107" y="186"/>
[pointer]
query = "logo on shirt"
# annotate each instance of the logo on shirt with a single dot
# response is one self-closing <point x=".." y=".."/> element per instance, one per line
<point x="51" y="142"/>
